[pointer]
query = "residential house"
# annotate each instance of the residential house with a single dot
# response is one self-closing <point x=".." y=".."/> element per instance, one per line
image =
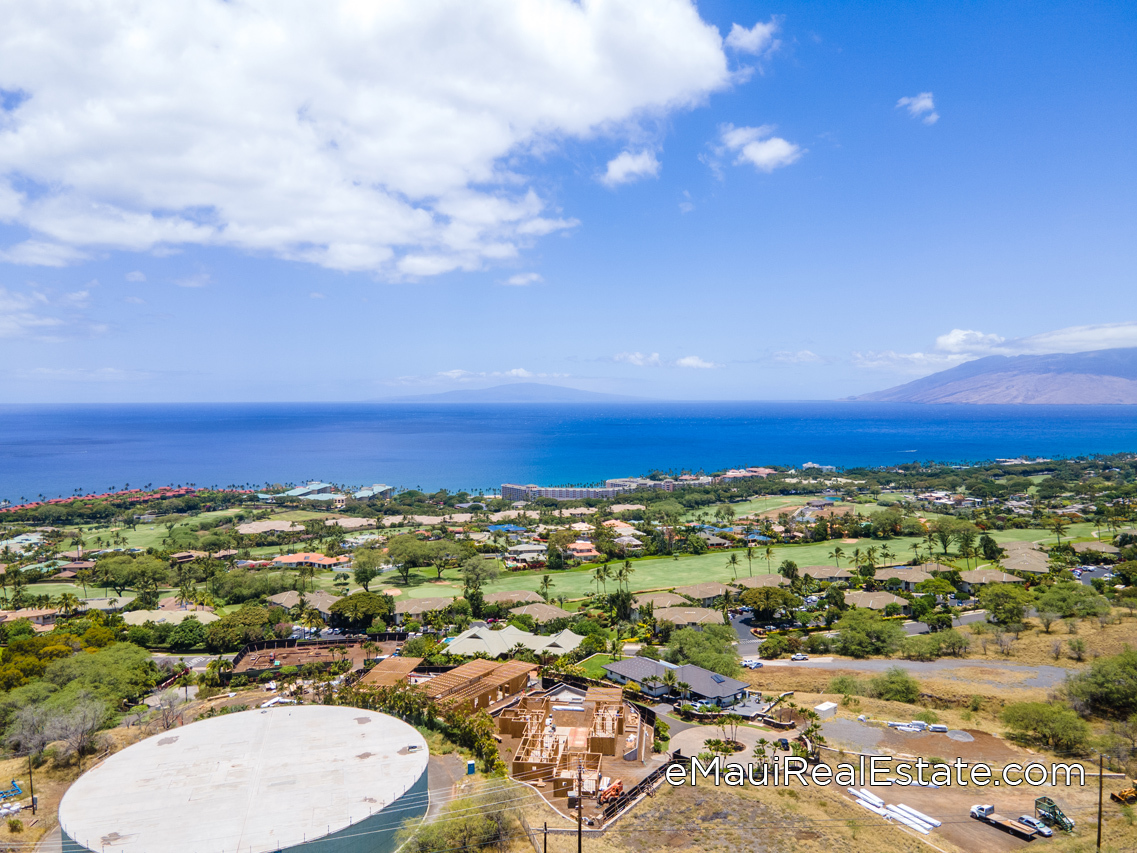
<point x="702" y="684"/>
<point x="760" y="582"/>
<point x="908" y="576"/>
<point x="875" y="600"/>
<point x="42" y="618"/>
<point x="319" y="600"/>
<point x="319" y="561"/>
<point x="516" y="596"/>
<point x="540" y="612"/>
<point x="704" y="593"/>
<point x="974" y="579"/>
<point x="528" y="552"/>
<point x="583" y="551"/>
<point x="494" y="644"/>
<point x="658" y="600"/>
<point x="1100" y="547"/>
<point x="413" y="608"/>
<point x="831" y="574"/>
<point x="689" y="617"/>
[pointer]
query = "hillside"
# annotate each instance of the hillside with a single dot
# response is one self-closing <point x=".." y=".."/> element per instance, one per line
<point x="518" y="392"/>
<point x="1086" y="378"/>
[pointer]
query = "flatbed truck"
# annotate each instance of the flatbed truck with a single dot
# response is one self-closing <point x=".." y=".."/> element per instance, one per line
<point x="987" y="814"/>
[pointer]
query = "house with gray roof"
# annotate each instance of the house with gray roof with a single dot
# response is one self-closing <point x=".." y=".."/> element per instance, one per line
<point x="704" y="685"/>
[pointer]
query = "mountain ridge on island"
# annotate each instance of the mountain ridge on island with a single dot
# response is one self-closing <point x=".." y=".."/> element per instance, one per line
<point x="517" y="392"/>
<point x="1100" y="377"/>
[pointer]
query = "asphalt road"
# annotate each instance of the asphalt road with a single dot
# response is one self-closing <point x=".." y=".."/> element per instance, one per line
<point x="1037" y="676"/>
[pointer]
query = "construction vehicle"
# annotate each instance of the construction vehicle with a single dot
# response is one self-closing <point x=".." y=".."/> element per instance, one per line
<point x="987" y="814"/>
<point x="1127" y="797"/>
<point x="1048" y="810"/>
<point x="610" y="793"/>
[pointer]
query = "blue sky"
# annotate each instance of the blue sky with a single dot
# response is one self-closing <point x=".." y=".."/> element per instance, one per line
<point x="244" y="201"/>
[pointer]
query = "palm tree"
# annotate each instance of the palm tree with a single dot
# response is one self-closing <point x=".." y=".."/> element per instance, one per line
<point x="1058" y="524"/>
<point x="68" y="604"/>
<point x="750" y="559"/>
<point x="545" y="585"/>
<point x="769" y="555"/>
<point x="670" y="680"/>
<point x="732" y="564"/>
<point x="836" y="554"/>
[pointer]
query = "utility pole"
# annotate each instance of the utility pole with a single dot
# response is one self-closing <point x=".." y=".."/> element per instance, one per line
<point x="545" y="846"/>
<point x="580" y="807"/>
<point x="31" y="784"/>
<point x="1101" y="783"/>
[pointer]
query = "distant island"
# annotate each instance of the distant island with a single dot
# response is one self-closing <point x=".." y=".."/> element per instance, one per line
<point x="518" y="392"/>
<point x="1104" y="377"/>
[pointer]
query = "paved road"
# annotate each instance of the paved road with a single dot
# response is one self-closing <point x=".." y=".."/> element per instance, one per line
<point x="1037" y="676"/>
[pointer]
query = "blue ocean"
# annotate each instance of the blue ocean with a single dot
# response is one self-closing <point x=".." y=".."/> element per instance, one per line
<point x="56" y="450"/>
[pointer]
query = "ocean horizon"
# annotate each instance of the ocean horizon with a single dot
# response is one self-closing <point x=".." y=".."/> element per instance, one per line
<point x="56" y="450"/>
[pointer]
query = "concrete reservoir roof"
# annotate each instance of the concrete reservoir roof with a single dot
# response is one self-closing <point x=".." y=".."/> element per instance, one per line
<point x="258" y="780"/>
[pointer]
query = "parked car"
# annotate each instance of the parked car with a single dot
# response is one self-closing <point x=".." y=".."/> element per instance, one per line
<point x="752" y="664"/>
<point x="1035" y="823"/>
<point x="800" y="656"/>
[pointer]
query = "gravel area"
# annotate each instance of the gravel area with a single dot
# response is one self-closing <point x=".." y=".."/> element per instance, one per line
<point x="851" y="735"/>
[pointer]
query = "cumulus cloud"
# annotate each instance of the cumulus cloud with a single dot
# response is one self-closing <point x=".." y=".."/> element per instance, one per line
<point x="135" y="276"/>
<point x="758" y="39"/>
<point x="461" y="375"/>
<point x="35" y="314"/>
<point x="523" y="279"/>
<point x="387" y="137"/>
<point x="200" y="279"/>
<point x="758" y="147"/>
<point x="627" y="167"/>
<point x="960" y="345"/>
<point x="803" y="356"/>
<point x="922" y="106"/>
<point x="694" y="361"/>
<point x="639" y="359"/>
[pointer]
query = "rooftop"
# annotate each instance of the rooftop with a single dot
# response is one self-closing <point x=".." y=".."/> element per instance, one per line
<point x="259" y="780"/>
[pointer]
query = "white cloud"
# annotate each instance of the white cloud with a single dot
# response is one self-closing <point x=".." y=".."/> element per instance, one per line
<point x="82" y="374"/>
<point x="960" y="345"/>
<point x="758" y="39"/>
<point x="694" y="361"/>
<point x="135" y="276"/>
<point x="639" y="359"/>
<point x="461" y="375"/>
<point x="800" y="357"/>
<point x="627" y="167"/>
<point x="388" y="137"/>
<point x="21" y="314"/>
<point x="756" y="146"/>
<point x="200" y="279"/>
<point x="38" y="252"/>
<point x="134" y="300"/>
<point x="967" y="340"/>
<point x="315" y="294"/>
<point x="922" y="106"/>
<point x="522" y="279"/>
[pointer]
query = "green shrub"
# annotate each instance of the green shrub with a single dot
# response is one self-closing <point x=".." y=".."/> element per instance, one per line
<point x="928" y="717"/>
<point x="15" y="825"/>
<point x="895" y="685"/>
<point x="846" y="685"/>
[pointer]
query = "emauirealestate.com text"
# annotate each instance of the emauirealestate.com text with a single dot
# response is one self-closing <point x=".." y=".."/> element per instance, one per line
<point x="874" y="770"/>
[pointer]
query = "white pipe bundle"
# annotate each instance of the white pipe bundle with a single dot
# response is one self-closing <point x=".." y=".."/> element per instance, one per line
<point x="931" y="821"/>
<point x="874" y="809"/>
<point x="908" y="820"/>
<point x="871" y="797"/>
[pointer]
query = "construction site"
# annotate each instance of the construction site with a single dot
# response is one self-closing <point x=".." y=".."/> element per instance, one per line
<point x="277" y="654"/>
<point x="577" y="747"/>
<point x="480" y="685"/>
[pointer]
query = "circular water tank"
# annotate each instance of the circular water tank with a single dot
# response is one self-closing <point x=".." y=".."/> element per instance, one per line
<point x="258" y="781"/>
